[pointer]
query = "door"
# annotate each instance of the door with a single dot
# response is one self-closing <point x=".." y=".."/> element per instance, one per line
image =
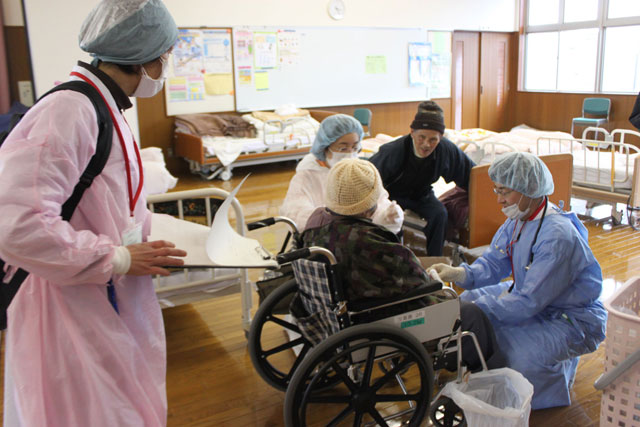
<point x="465" y="79"/>
<point x="494" y="80"/>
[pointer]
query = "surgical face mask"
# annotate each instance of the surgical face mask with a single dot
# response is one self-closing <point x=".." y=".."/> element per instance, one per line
<point x="513" y="211"/>
<point x="148" y="87"/>
<point x="336" y="157"/>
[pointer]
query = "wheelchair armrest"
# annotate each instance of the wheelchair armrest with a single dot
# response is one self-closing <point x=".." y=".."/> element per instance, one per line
<point x="375" y="303"/>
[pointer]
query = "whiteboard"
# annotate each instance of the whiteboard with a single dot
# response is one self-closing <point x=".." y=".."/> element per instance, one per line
<point x="323" y="66"/>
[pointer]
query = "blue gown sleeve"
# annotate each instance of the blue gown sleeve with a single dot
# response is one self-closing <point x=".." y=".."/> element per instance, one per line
<point x="558" y="258"/>
<point x="494" y="264"/>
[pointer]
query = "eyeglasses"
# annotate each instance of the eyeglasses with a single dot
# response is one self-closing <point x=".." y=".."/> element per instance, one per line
<point x="356" y="149"/>
<point x="502" y="191"/>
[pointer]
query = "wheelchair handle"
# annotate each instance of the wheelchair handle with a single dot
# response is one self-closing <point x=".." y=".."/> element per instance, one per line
<point x="293" y="255"/>
<point x="270" y="221"/>
<point x="260" y="223"/>
<point x="306" y="253"/>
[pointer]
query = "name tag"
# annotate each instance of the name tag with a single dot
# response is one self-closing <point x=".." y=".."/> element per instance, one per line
<point x="132" y="235"/>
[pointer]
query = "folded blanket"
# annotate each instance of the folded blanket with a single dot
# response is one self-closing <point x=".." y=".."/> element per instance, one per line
<point x="265" y="116"/>
<point x="209" y="124"/>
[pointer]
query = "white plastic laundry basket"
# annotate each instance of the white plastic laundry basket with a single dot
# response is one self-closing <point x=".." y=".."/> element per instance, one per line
<point x="620" y="404"/>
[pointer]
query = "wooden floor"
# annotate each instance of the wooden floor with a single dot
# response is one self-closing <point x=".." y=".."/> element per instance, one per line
<point x="210" y="378"/>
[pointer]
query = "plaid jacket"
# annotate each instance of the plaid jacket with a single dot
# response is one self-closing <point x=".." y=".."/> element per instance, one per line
<point x="372" y="262"/>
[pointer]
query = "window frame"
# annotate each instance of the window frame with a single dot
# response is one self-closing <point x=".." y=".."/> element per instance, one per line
<point x="601" y="23"/>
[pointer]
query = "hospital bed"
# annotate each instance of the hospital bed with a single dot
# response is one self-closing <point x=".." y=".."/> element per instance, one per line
<point x="276" y="140"/>
<point x="192" y="284"/>
<point x="485" y="216"/>
<point x="604" y="163"/>
<point x="604" y="167"/>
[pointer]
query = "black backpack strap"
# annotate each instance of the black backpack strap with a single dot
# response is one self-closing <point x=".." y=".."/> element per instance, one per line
<point x="103" y="148"/>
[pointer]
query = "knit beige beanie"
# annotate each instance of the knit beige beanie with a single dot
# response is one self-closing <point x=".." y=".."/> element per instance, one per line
<point x="353" y="187"/>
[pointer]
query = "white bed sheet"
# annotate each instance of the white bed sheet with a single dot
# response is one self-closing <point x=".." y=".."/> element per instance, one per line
<point x="294" y="134"/>
<point x="586" y="169"/>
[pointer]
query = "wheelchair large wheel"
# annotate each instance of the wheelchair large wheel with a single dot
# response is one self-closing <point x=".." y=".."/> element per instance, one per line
<point x="364" y="393"/>
<point x="272" y="338"/>
<point x="445" y="413"/>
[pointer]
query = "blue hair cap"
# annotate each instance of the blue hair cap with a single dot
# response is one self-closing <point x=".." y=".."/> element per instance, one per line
<point x="130" y="32"/>
<point x="522" y="172"/>
<point x="331" y="129"/>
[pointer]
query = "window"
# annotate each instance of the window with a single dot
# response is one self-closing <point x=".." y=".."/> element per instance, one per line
<point x="582" y="46"/>
<point x="542" y="61"/>
<point x="621" y="59"/>
<point x="623" y="8"/>
<point x="577" y="60"/>
<point x="540" y="12"/>
<point x="580" y="10"/>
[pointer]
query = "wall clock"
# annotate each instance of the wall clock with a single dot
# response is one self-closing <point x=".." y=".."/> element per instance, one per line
<point x="336" y="9"/>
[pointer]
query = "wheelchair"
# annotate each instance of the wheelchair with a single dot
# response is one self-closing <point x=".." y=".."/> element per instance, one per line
<point x="355" y="363"/>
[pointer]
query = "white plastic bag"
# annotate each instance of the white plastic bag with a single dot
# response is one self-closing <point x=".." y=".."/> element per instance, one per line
<point x="498" y="397"/>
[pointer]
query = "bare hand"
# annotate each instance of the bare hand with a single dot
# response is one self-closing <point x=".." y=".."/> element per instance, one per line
<point x="151" y="257"/>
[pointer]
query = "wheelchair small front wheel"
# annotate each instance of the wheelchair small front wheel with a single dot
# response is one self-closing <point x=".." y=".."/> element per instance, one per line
<point x="273" y="338"/>
<point x="363" y="393"/>
<point x="445" y="413"/>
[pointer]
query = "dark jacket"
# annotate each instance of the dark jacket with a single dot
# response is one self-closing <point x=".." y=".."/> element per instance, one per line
<point x="372" y="261"/>
<point x="405" y="175"/>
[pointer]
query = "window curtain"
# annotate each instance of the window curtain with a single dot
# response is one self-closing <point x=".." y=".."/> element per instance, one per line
<point x="5" y="96"/>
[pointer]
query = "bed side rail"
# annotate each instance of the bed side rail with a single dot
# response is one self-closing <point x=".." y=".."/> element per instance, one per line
<point x="602" y="156"/>
<point x="201" y="193"/>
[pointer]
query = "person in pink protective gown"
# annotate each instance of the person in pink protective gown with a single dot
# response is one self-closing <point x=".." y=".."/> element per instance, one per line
<point x="74" y="356"/>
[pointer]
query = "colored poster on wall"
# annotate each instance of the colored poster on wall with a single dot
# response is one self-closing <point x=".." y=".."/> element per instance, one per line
<point x="243" y="48"/>
<point x="376" y="64"/>
<point x="419" y="63"/>
<point x="200" y="77"/>
<point x="265" y="47"/>
<point x="440" y="80"/>
<point x="244" y="76"/>
<point x="216" y="52"/>
<point x="262" y="80"/>
<point x="288" y="47"/>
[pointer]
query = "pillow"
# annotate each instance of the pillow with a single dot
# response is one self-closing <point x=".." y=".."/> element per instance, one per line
<point x="157" y="179"/>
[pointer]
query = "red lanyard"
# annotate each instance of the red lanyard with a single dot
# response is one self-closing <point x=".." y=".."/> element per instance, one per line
<point x="133" y="199"/>
<point x="509" y="249"/>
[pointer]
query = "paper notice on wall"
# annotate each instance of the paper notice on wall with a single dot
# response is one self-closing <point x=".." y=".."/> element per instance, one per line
<point x="262" y="80"/>
<point x="216" y="51"/>
<point x="218" y="84"/>
<point x="243" y="47"/>
<point x="419" y="63"/>
<point x="196" y="88"/>
<point x="288" y="47"/>
<point x="265" y="47"/>
<point x="376" y="64"/>
<point x="440" y="78"/>
<point x="187" y="53"/>
<point x="244" y="76"/>
<point x="177" y="87"/>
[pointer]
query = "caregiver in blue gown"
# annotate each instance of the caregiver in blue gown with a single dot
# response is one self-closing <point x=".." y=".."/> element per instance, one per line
<point x="551" y="312"/>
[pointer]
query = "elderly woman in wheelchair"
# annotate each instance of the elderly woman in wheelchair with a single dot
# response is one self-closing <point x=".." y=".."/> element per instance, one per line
<point x="364" y="314"/>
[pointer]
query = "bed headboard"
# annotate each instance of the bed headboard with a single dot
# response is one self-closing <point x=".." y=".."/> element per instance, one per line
<point x="485" y="216"/>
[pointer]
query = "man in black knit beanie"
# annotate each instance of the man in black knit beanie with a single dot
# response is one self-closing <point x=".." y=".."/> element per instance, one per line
<point x="410" y="165"/>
